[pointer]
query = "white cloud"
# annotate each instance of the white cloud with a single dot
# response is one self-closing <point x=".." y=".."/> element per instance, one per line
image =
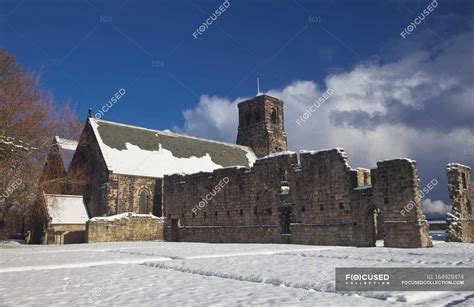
<point x="435" y="208"/>
<point x="214" y="118"/>
<point x="373" y="112"/>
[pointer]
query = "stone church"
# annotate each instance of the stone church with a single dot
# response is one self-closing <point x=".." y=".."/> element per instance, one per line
<point x="126" y="164"/>
<point x="255" y="191"/>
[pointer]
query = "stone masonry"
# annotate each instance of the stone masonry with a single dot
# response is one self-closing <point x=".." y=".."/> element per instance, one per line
<point x="122" y="193"/>
<point x="396" y="190"/>
<point x="109" y="193"/>
<point x="125" y="227"/>
<point x="261" y="125"/>
<point x="360" y="177"/>
<point x="320" y="203"/>
<point x="460" y="221"/>
<point x="65" y="234"/>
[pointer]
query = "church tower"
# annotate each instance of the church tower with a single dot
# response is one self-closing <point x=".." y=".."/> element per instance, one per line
<point x="261" y="125"/>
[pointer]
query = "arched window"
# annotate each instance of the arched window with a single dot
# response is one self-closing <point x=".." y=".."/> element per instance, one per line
<point x="274" y="116"/>
<point x="144" y="202"/>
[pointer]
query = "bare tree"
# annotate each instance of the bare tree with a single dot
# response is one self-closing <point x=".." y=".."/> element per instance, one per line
<point x="28" y="122"/>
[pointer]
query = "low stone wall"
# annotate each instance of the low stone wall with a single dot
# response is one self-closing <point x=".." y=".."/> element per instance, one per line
<point x="125" y="227"/>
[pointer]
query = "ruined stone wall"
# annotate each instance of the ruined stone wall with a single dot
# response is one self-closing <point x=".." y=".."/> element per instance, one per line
<point x="125" y="227"/>
<point x="248" y="208"/>
<point x="369" y="219"/>
<point x="360" y="177"/>
<point x="471" y="194"/>
<point x="396" y="191"/>
<point x="460" y="221"/>
<point x="327" y="203"/>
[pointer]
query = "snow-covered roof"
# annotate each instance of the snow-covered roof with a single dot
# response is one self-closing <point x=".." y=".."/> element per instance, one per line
<point x="66" y="209"/>
<point x="137" y="151"/>
<point x="66" y="150"/>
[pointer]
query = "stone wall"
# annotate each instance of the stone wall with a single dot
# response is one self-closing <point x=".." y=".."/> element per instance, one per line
<point x="125" y="227"/>
<point x="322" y="206"/>
<point x="123" y="194"/>
<point x="360" y="177"/>
<point x="249" y="208"/>
<point x="460" y="221"/>
<point x="396" y="192"/>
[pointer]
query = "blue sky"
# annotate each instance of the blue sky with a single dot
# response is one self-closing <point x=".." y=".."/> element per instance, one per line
<point x="88" y="50"/>
<point x="87" y="61"/>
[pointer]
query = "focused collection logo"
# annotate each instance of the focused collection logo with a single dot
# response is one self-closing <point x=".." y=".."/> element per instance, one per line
<point x="367" y="279"/>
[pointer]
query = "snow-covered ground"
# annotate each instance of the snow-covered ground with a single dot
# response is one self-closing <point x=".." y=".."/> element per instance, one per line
<point x="167" y="273"/>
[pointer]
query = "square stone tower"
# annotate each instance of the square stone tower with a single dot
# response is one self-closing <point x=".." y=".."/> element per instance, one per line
<point x="261" y="125"/>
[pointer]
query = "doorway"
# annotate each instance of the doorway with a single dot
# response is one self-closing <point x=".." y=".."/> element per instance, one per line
<point x="286" y="218"/>
<point x="174" y="230"/>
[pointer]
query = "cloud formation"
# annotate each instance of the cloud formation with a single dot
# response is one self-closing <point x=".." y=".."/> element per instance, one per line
<point x="419" y="106"/>
<point x="214" y="118"/>
<point x="435" y="208"/>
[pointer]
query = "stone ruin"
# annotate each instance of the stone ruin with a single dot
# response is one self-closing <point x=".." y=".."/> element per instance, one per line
<point x="299" y="198"/>
<point x="460" y="222"/>
<point x="284" y="197"/>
